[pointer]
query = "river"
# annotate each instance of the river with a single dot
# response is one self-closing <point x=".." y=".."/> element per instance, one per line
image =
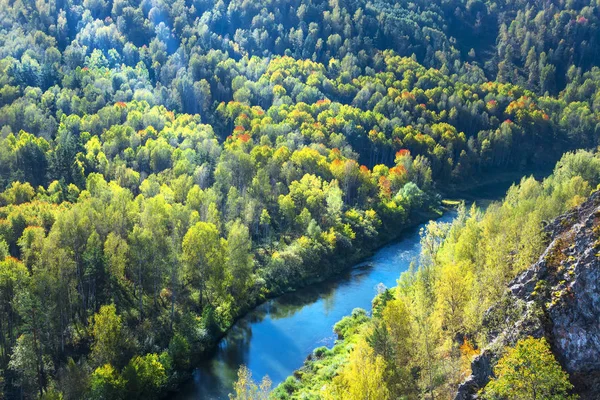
<point x="275" y="338"/>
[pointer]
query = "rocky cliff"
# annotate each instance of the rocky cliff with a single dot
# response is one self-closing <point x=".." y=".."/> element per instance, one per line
<point x="559" y="298"/>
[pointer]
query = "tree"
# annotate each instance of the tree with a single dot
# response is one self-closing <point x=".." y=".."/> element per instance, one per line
<point x="94" y="271"/>
<point x="63" y="164"/>
<point x="411" y="196"/>
<point x="362" y="377"/>
<point x="145" y="377"/>
<point x="116" y="250"/>
<point x="246" y="389"/>
<point x="107" y="384"/>
<point x="31" y="244"/>
<point x="28" y="358"/>
<point x="74" y="380"/>
<point x="2" y="396"/>
<point x="97" y="7"/>
<point x="19" y="193"/>
<point x="179" y="351"/>
<point x="203" y="259"/>
<point x="529" y="371"/>
<point x="24" y="361"/>
<point x="425" y="336"/>
<point x="14" y="279"/>
<point x="160" y="156"/>
<point x="141" y="254"/>
<point x="108" y="336"/>
<point x="335" y="203"/>
<point x="239" y="259"/>
<point x="265" y="222"/>
<point x="396" y="320"/>
<point x="452" y="289"/>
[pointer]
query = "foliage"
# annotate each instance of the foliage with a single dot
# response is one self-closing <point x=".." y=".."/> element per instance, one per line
<point x="529" y="371"/>
<point x="145" y="377"/>
<point x="361" y="378"/>
<point x="108" y="337"/>
<point x="424" y="333"/>
<point x="246" y="389"/>
<point x="107" y="383"/>
<point x="167" y="165"/>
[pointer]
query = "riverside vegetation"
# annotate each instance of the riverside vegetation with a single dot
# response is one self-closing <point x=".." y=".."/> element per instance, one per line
<point x="167" y="165"/>
<point x="423" y="334"/>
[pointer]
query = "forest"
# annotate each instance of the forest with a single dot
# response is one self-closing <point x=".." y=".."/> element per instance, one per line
<point x="167" y="165"/>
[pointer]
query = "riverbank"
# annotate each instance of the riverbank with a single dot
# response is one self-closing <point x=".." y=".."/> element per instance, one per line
<point x="413" y="332"/>
<point x="344" y="265"/>
<point x="321" y="360"/>
<point x="275" y="338"/>
<point x="341" y="266"/>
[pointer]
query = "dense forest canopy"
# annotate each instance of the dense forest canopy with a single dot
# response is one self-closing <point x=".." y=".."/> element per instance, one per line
<point x="167" y="165"/>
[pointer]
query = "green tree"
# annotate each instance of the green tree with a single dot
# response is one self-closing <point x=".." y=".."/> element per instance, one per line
<point x="25" y="362"/>
<point x="529" y="371"/>
<point x="203" y="259"/>
<point x="179" y="351"/>
<point x="107" y="384"/>
<point x="107" y="333"/>
<point x="396" y="319"/>
<point x="452" y="289"/>
<point x="239" y="259"/>
<point x="74" y="380"/>
<point x="145" y="377"/>
<point x="14" y="280"/>
<point x="19" y="193"/>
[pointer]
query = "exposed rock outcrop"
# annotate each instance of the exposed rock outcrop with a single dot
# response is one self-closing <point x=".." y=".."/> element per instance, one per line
<point x="559" y="298"/>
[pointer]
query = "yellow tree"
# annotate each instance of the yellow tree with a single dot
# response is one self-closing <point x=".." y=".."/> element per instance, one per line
<point x="452" y="294"/>
<point x="396" y="318"/>
<point x="362" y="378"/>
<point x="246" y="389"/>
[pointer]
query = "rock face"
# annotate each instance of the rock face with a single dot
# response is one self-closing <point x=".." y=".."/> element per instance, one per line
<point x="559" y="298"/>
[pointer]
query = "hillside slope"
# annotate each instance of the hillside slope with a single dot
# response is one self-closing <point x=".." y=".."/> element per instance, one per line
<point x="558" y="297"/>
